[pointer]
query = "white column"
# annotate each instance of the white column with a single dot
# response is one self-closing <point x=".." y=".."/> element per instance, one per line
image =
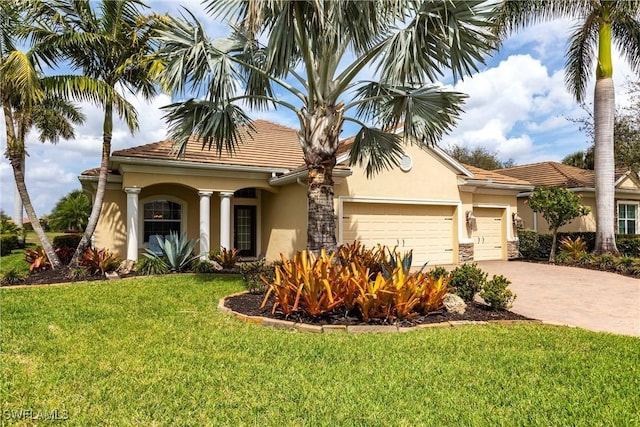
<point x="205" y="223"/>
<point x="225" y="219"/>
<point x="132" y="222"/>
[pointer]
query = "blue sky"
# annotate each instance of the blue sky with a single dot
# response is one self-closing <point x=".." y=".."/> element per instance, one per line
<point x="517" y="108"/>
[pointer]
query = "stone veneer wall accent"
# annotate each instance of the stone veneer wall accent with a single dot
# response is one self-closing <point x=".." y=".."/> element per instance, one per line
<point x="513" y="249"/>
<point x="465" y="252"/>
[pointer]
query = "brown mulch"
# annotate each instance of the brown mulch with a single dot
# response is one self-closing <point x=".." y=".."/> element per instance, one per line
<point x="249" y="304"/>
<point x="50" y="277"/>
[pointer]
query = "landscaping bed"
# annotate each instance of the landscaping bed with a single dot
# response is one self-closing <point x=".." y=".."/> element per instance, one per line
<point x="249" y="304"/>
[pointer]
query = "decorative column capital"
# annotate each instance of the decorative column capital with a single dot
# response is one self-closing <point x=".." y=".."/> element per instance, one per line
<point x="132" y="190"/>
<point x="205" y="193"/>
<point x="226" y="194"/>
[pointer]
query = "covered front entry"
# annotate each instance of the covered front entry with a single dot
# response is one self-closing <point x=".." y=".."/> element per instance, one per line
<point x="427" y="229"/>
<point x="489" y="234"/>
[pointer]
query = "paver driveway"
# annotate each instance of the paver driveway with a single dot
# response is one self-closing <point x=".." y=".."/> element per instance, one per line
<point x="586" y="298"/>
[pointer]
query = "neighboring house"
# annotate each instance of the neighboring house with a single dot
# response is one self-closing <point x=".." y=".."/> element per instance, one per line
<point x="256" y="201"/>
<point x="581" y="181"/>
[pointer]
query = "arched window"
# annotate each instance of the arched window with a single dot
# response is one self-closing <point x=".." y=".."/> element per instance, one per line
<point x="161" y="217"/>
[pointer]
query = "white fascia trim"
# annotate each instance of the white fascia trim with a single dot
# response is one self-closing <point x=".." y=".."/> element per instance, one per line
<point x="491" y="184"/>
<point x="293" y="177"/>
<point x="622" y="178"/>
<point x="193" y="165"/>
<point x="573" y="190"/>
<point x="342" y="199"/>
<point x="94" y="178"/>
<point x="452" y="162"/>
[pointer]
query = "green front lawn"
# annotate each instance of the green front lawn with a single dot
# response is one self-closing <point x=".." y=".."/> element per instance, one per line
<point x="156" y="351"/>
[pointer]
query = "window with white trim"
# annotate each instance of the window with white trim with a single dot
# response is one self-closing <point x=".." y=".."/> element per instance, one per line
<point x="627" y="218"/>
<point x="161" y="217"/>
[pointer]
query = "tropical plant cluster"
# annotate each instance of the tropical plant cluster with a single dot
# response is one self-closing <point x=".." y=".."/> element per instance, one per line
<point x="574" y="252"/>
<point x="373" y="284"/>
<point x="534" y="245"/>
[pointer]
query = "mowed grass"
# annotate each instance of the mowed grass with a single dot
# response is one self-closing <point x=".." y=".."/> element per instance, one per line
<point x="155" y="351"/>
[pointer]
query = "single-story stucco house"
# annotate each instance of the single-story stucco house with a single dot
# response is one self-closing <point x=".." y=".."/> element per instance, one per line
<point x="582" y="182"/>
<point x="256" y="201"/>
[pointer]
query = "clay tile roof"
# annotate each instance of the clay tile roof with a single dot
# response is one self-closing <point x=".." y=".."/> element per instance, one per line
<point x="271" y="145"/>
<point x="555" y="174"/>
<point x="492" y="176"/>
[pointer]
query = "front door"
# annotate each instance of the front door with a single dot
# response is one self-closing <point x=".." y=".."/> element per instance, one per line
<point x="244" y="230"/>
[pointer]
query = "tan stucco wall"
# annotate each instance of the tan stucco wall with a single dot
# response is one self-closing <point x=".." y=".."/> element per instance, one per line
<point x="429" y="179"/>
<point x="222" y="181"/>
<point x="284" y="221"/>
<point x="111" y="231"/>
<point x="584" y="223"/>
<point x="628" y="184"/>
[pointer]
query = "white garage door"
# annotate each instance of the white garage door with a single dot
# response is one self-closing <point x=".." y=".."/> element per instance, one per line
<point x="428" y="230"/>
<point x="488" y="234"/>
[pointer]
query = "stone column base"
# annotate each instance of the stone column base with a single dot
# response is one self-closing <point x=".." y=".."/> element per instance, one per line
<point x="513" y="249"/>
<point x="465" y="252"/>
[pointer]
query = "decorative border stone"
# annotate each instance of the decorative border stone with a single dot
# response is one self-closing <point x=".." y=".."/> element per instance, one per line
<point x="359" y="329"/>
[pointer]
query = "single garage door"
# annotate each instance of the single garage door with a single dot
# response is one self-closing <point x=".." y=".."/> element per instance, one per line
<point x="488" y="235"/>
<point x="426" y="229"/>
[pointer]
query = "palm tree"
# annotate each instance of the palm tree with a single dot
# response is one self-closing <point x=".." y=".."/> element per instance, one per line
<point x="71" y="212"/>
<point x="315" y="51"/>
<point x="599" y="24"/>
<point x="111" y="43"/>
<point x="30" y="100"/>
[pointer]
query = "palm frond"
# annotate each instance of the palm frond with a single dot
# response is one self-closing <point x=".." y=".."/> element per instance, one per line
<point x="428" y="112"/>
<point x="19" y="79"/>
<point x="625" y="31"/>
<point x="375" y="150"/>
<point x="222" y="127"/>
<point x="580" y="56"/>
<point x="443" y="35"/>
<point x="513" y="15"/>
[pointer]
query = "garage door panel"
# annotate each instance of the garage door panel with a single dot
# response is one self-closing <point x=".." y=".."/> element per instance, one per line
<point x="428" y="230"/>
<point x="488" y="234"/>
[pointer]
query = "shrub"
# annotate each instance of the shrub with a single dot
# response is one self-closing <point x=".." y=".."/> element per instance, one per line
<point x="65" y="254"/>
<point x="253" y="274"/>
<point x="66" y="241"/>
<point x="628" y="245"/>
<point x="202" y="266"/>
<point x="316" y="285"/>
<point x="467" y="280"/>
<point x="37" y="259"/>
<point x="151" y="264"/>
<point x="177" y="251"/>
<point x="8" y="242"/>
<point x="12" y="277"/>
<point x="371" y="258"/>
<point x="496" y="293"/>
<point x="99" y="261"/>
<point x="624" y="264"/>
<point x="78" y="273"/>
<point x="227" y="258"/>
<point x="438" y="272"/>
<point x="573" y="249"/>
<point x="605" y="262"/>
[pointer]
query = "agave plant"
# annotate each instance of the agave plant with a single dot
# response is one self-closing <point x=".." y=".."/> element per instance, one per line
<point x="176" y="249"/>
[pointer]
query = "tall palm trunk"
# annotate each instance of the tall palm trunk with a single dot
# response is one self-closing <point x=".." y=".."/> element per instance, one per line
<point x="603" y="119"/>
<point x="319" y="138"/>
<point x="16" y="154"/>
<point x="603" y="112"/>
<point x="102" y="185"/>
<point x="18" y="174"/>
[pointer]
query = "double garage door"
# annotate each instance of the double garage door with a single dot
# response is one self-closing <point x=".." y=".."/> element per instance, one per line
<point x="427" y="229"/>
